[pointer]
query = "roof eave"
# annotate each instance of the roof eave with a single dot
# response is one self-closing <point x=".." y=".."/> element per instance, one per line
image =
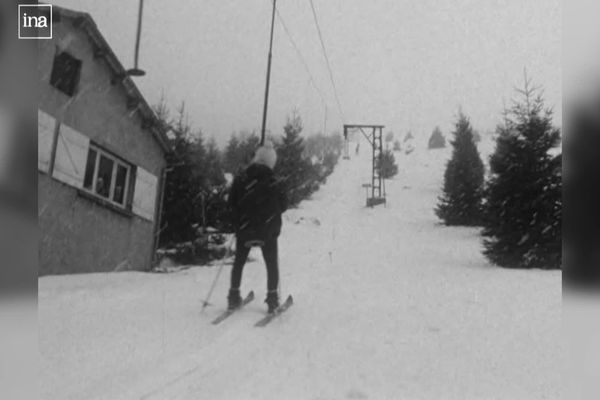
<point x="102" y="49"/>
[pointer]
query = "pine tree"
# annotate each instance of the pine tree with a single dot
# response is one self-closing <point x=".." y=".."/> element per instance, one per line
<point x="522" y="227"/>
<point x="437" y="140"/>
<point x="213" y="164"/>
<point x="291" y="167"/>
<point x="186" y="179"/>
<point x="460" y="203"/>
<point x="388" y="166"/>
<point x="247" y="147"/>
<point x="230" y="161"/>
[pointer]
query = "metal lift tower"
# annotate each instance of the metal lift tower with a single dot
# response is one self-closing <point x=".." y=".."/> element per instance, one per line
<point x="375" y="139"/>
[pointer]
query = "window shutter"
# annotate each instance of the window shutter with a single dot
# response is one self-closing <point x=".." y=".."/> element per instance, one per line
<point x="144" y="196"/>
<point x="71" y="156"/>
<point x="46" y="125"/>
<point x="131" y="187"/>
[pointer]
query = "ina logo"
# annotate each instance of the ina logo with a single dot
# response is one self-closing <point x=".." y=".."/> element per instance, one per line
<point x="35" y="21"/>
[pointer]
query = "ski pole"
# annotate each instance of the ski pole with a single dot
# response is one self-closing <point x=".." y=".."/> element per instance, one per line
<point x="214" y="284"/>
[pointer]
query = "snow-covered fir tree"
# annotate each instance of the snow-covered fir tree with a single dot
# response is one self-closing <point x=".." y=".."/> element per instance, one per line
<point x="460" y="203"/>
<point x="296" y="171"/>
<point x="186" y="179"/>
<point x="436" y="140"/>
<point x="523" y="206"/>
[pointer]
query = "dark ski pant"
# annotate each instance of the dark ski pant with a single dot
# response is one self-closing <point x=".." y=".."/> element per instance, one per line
<point x="269" y="251"/>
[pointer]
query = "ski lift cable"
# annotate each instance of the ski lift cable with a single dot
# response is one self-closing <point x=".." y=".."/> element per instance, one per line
<point x="337" y="99"/>
<point x="301" y="57"/>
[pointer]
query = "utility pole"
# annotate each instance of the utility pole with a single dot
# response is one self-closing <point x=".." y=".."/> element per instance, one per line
<point x="264" y="120"/>
<point x="136" y="71"/>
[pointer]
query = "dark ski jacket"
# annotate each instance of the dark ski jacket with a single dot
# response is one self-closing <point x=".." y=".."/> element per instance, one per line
<point x="257" y="200"/>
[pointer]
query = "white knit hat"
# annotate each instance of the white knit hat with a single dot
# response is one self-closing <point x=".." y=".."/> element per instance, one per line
<point x="265" y="155"/>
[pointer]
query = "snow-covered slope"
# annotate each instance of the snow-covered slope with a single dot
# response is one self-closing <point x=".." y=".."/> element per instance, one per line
<point x="388" y="305"/>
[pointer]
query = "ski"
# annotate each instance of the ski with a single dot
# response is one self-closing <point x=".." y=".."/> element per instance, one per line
<point x="280" y="310"/>
<point x="227" y="313"/>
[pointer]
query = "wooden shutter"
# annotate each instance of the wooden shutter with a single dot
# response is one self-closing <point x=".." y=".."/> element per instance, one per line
<point x="46" y="126"/>
<point x="144" y="195"/>
<point x="71" y="156"/>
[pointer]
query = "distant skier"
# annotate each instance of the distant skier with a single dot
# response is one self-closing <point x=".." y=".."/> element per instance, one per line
<point x="257" y="201"/>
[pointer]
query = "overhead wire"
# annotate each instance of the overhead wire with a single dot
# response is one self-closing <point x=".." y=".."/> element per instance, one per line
<point x="337" y="99"/>
<point x="299" y="53"/>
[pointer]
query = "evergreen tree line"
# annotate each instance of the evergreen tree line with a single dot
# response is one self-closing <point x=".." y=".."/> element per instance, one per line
<point x="304" y="164"/>
<point x="438" y="141"/>
<point x="195" y="183"/>
<point x="198" y="173"/>
<point x="519" y="205"/>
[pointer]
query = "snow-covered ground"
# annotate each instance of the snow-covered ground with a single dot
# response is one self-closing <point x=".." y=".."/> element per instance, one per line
<point x="388" y="305"/>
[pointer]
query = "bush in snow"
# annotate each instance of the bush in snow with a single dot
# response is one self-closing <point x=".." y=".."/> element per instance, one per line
<point x="436" y="140"/>
<point x="397" y="146"/>
<point x="523" y="199"/>
<point x="388" y="165"/>
<point x="460" y="203"/>
<point x="408" y="141"/>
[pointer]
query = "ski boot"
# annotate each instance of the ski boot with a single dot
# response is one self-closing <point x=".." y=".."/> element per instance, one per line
<point x="272" y="300"/>
<point x="234" y="300"/>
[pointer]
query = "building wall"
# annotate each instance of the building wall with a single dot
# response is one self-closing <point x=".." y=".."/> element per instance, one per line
<point x="79" y="234"/>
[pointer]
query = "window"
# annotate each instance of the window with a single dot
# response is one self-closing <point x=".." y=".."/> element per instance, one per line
<point x="65" y="73"/>
<point x="106" y="176"/>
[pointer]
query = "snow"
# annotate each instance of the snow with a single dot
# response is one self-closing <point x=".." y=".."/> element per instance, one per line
<point x="389" y="304"/>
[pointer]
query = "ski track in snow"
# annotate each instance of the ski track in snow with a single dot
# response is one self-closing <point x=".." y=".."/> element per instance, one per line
<point x="388" y="305"/>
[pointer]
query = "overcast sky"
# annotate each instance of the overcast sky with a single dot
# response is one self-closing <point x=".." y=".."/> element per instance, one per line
<point x="407" y="65"/>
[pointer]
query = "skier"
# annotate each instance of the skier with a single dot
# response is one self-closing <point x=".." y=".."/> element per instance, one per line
<point x="257" y="201"/>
